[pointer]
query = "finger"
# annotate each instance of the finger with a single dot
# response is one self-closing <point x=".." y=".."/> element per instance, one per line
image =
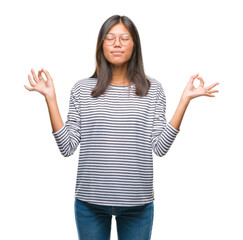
<point x="34" y="76"/>
<point x="39" y="75"/>
<point x="201" y="81"/>
<point x="212" y="85"/>
<point x="192" y="78"/>
<point x="30" y="89"/>
<point x="214" y="91"/>
<point x="209" y="95"/>
<point x="30" y="80"/>
<point x="48" y="76"/>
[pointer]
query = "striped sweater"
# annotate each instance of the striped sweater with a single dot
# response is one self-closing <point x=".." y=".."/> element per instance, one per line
<point x="117" y="132"/>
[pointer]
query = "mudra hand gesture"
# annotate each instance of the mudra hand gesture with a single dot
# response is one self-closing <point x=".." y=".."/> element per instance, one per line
<point x="45" y="87"/>
<point x="191" y="92"/>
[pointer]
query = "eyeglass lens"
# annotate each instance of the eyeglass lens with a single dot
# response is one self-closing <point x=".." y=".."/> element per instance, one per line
<point x="111" y="38"/>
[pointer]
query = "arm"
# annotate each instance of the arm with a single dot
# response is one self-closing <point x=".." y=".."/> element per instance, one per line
<point x="67" y="135"/>
<point x="179" y="113"/>
<point x="163" y="134"/>
<point x="55" y="117"/>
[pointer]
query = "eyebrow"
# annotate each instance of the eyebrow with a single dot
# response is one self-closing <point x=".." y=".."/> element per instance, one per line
<point x="120" y="34"/>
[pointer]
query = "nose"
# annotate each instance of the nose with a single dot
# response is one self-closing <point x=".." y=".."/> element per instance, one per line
<point x="117" y="42"/>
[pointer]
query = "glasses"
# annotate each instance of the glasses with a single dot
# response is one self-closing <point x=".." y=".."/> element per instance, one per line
<point x="111" y="38"/>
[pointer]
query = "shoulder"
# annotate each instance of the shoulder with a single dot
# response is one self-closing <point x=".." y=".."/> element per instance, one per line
<point x="155" y="84"/>
<point x="83" y="87"/>
<point x="84" y="84"/>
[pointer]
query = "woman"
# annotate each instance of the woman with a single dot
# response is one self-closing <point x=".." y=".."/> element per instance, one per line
<point x="117" y="132"/>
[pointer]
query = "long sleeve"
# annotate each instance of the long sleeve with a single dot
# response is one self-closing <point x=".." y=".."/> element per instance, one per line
<point x="163" y="133"/>
<point x="69" y="136"/>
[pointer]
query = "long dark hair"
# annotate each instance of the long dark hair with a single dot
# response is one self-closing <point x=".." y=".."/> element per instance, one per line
<point x="135" y="69"/>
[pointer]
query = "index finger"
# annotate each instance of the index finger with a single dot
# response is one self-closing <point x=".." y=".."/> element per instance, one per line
<point x="39" y="75"/>
<point x="48" y="76"/>
<point x="201" y="81"/>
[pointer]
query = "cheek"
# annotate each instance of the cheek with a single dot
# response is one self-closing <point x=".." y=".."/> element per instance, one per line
<point x="106" y="51"/>
<point x="129" y="51"/>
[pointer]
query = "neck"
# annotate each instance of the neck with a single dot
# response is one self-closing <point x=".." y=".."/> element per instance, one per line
<point x="119" y="75"/>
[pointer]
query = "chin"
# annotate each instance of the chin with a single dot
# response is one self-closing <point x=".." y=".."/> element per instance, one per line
<point x="118" y="62"/>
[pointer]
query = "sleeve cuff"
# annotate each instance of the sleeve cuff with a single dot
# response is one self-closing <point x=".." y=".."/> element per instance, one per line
<point x="175" y="131"/>
<point x="59" y="132"/>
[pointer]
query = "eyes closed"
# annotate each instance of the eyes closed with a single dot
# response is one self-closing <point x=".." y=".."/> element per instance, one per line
<point x="110" y="39"/>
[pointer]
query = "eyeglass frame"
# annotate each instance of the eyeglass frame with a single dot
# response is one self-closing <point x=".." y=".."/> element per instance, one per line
<point x="130" y="38"/>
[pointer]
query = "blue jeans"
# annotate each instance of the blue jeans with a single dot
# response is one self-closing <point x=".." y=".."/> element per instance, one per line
<point x="94" y="221"/>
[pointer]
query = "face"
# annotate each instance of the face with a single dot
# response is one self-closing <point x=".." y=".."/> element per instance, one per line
<point x="126" y="51"/>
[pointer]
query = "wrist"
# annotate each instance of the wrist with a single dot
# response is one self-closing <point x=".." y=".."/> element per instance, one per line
<point x="185" y="99"/>
<point x="51" y="97"/>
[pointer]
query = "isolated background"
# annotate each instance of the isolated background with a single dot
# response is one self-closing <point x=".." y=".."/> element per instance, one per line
<point x="198" y="184"/>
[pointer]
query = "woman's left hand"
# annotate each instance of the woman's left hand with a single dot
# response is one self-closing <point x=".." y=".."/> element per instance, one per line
<point x="191" y="92"/>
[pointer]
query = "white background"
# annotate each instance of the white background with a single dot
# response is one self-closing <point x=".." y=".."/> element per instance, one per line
<point x="198" y="184"/>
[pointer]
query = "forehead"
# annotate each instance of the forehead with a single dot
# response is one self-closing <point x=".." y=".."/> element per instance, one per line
<point x="118" y="29"/>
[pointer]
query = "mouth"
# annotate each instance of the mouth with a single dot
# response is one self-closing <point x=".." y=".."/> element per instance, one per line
<point x="117" y="53"/>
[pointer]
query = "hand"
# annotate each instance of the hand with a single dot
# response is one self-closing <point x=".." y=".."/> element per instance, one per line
<point x="191" y="92"/>
<point x="46" y="88"/>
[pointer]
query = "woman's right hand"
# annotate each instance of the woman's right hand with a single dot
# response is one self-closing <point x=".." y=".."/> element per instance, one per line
<point x="46" y="88"/>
